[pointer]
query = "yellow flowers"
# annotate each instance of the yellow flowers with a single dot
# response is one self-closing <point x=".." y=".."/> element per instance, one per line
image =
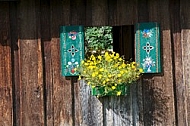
<point x="101" y="69"/>
<point x="117" y="56"/>
<point x="100" y="76"/>
<point x="113" y="87"/>
<point x="108" y="70"/>
<point x="86" y="64"/>
<point x="91" y="67"/>
<point x="119" y="75"/>
<point x="100" y="57"/>
<point x="118" y="93"/>
<point x="93" y="86"/>
<point x="92" y="57"/>
<point x="108" y="57"/>
<point x="93" y="74"/>
<point x="141" y="70"/>
<point x="109" y="75"/>
<point x="88" y="83"/>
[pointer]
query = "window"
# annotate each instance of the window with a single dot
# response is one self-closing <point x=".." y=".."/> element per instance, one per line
<point x="117" y="38"/>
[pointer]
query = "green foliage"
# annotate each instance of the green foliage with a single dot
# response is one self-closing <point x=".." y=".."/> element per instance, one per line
<point x="98" y="38"/>
<point x="107" y="71"/>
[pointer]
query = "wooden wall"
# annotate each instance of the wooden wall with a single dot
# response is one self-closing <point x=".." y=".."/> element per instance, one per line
<point x="33" y="92"/>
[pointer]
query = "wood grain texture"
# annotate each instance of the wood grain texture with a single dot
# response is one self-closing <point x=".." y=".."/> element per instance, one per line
<point x="47" y="62"/>
<point x="77" y="117"/>
<point x="77" y="17"/>
<point x="36" y="94"/>
<point x="165" y="85"/>
<point x="111" y="110"/>
<point x="142" y="11"/>
<point x="58" y="88"/>
<point x="15" y="63"/>
<point x="112" y="12"/>
<point x="62" y="98"/>
<point x="6" y="107"/>
<point x="126" y="12"/>
<point x="31" y="103"/>
<point x="31" y="69"/>
<point x="77" y="12"/>
<point x="184" y="88"/>
<point x="179" y="86"/>
<point x="157" y="103"/>
<point x="91" y="107"/>
<point x="88" y="13"/>
<point x="99" y="13"/>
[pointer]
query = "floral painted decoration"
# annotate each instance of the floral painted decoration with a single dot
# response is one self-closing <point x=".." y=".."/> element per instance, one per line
<point x="148" y="63"/>
<point x="72" y="35"/>
<point x="147" y="46"/>
<point x="71" y="66"/>
<point x="147" y="33"/>
<point x="71" y="49"/>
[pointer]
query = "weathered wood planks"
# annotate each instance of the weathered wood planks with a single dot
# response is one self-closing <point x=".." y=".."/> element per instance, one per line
<point x="6" y="100"/>
<point x="183" y="89"/>
<point x="31" y="68"/>
<point x="33" y="92"/>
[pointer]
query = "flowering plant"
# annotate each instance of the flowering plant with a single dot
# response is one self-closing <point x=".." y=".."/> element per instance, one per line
<point x="108" y="70"/>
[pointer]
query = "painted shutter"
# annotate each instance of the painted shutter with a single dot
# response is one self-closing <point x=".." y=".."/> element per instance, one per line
<point x="72" y="49"/>
<point x="147" y="46"/>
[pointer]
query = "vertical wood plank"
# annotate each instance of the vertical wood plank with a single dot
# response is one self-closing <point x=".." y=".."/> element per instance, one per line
<point x="108" y="111"/>
<point x="47" y="70"/>
<point x="6" y="104"/>
<point x="88" y="12"/>
<point x="92" y="114"/>
<point x="32" y="86"/>
<point x="76" y="102"/>
<point x="99" y="13"/>
<point x="112" y="12"/>
<point x="137" y="103"/>
<point x="59" y="87"/>
<point x="126" y="12"/>
<point x="77" y="15"/>
<point x="15" y="63"/>
<point x="142" y="10"/>
<point x="158" y="89"/>
<point x="31" y="72"/>
<point x="142" y="16"/>
<point x="177" y="61"/>
<point x="184" y="88"/>
<point x="49" y="84"/>
<point x="165" y="82"/>
<point x="122" y="110"/>
<point x="66" y="12"/>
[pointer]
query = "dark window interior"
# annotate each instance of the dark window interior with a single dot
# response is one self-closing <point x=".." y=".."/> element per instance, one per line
<point x="123" y="41"/>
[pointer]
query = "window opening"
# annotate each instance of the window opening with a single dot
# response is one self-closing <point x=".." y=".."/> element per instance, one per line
<point x="117" y="38"/>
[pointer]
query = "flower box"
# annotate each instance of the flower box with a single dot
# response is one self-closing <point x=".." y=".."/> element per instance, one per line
<point x="108" y="73"/>
<point x="105" y="91"/>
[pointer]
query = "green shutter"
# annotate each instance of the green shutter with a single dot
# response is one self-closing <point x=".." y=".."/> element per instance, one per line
<point x="147" y="43"/>
<point x="72" y="48"/>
